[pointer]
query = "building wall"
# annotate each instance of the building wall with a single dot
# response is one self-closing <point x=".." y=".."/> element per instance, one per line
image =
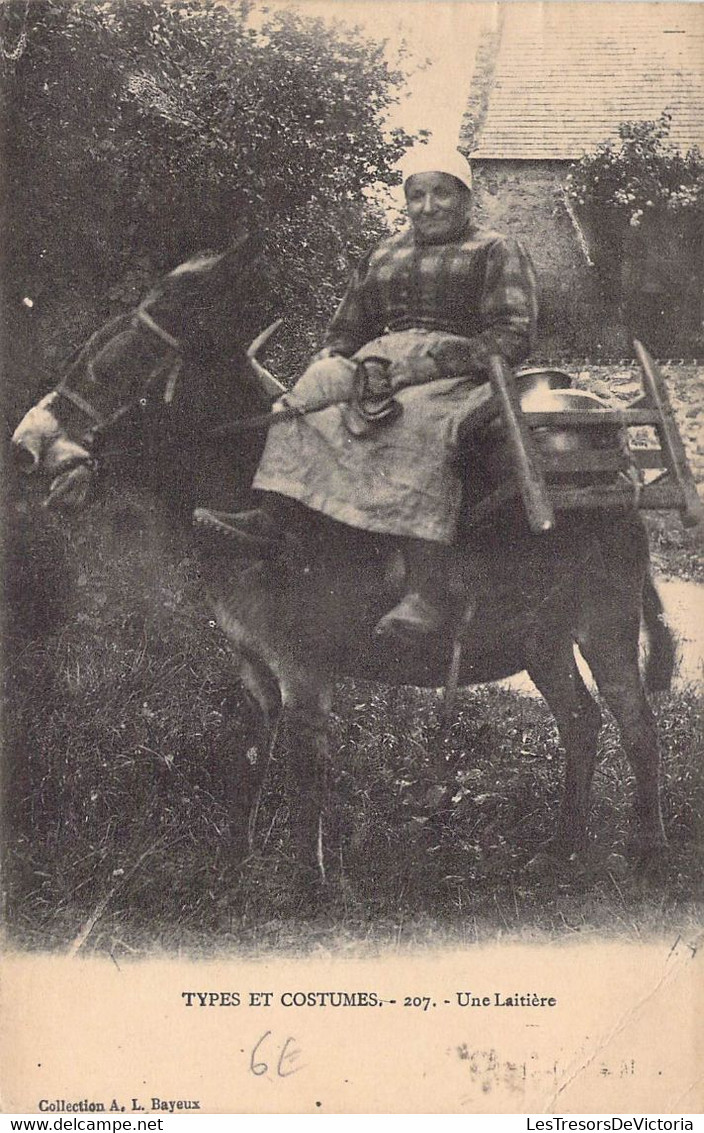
<point x="525" y="199"/>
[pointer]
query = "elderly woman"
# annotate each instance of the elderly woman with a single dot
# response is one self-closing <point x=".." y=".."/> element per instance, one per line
<point x="425" y="310"/>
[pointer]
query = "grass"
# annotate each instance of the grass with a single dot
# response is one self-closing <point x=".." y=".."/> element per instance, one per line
<point x="677" y="552"/>
<point x="128" y="771"/>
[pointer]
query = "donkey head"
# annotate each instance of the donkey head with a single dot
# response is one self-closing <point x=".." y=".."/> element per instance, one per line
<point x="135" y="362"/>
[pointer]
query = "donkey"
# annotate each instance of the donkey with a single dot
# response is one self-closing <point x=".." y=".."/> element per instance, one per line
<point x="155" y="388"/>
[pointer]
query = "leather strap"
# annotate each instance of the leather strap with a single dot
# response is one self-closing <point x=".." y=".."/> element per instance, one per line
<point x="146" y="319"/>
<point x="79" y="402"/>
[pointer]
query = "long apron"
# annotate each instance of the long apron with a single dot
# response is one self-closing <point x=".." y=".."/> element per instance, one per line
<point x="401" y="478"/>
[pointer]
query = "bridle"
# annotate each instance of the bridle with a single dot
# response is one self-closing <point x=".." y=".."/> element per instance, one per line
<point x="142" y="317"/>
<point x="99" y="423"/>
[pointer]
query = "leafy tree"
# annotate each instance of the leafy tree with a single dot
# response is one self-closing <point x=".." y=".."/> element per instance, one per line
<point x="642" y="203"/>
<point x="140" y="132"/>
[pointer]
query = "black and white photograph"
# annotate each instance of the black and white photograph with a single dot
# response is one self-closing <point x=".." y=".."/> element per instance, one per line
<point x="352" y="618"/>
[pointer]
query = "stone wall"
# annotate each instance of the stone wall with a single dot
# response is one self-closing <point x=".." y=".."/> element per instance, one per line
<point x="655" y="291"/>
<point x="525" y="199"/>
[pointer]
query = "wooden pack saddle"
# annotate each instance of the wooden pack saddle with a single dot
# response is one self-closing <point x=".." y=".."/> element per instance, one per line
<point x="569" y="450"/>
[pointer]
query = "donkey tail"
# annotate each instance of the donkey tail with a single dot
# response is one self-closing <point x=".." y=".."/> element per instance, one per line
<point x="660" y="662"/>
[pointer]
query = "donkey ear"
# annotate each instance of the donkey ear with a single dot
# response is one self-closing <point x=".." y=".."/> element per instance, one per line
<point x="237" y="260"/>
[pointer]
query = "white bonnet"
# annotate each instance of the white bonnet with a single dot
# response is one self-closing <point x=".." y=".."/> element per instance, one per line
<point x="429" y="159"/>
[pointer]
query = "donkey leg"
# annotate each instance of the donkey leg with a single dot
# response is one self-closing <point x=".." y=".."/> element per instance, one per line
<point x="578" y="720"/>
<point x="305" y="724"/>
<point x="263" y="689"/>
<point x="615" y="598"/>
<point x="614" y="663"/>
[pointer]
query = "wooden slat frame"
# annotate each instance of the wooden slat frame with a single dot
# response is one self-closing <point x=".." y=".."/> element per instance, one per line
<point x="674" y="455"/>
<point x="675" y="489"/>
<point x="531" y="483"/>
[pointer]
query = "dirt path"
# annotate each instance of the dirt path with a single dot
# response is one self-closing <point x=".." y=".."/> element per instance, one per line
<point x="684" y="611"/>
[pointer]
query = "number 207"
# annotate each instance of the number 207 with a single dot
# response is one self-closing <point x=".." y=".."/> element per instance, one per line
<point x="422" y="1001"/>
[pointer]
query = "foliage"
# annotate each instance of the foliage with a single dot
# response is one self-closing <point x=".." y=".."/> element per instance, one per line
<point x="642" y="172"/>
<point x="140" y="132"/>
<point x="641" y="202"/>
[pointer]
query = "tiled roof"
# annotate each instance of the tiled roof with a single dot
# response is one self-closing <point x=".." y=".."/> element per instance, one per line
<point x="566" y="75"/>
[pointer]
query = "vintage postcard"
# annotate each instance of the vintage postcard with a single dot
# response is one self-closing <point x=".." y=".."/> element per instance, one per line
<point x="352" y="669"/>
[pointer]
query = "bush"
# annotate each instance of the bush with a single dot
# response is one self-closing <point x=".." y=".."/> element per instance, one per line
<point x="642" y="204"/>
<point x="140" y="132"/>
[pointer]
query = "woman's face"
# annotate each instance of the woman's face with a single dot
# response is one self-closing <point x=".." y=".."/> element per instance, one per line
<point x="438" y="205"/>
